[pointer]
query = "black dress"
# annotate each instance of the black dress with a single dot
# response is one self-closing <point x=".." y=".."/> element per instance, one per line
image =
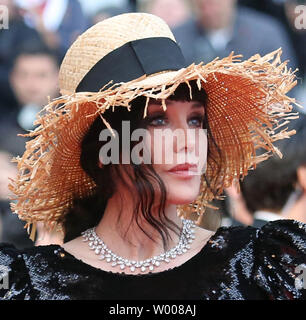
<point x="236" y="263"/>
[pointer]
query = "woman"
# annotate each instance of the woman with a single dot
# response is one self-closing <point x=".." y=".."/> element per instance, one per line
<point x="127" y="216"/>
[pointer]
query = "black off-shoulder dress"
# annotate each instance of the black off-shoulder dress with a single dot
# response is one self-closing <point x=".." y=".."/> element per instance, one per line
<point x="236" y="263"/>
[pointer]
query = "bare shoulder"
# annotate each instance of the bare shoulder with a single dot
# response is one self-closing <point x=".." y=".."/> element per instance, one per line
<point x="202" y="236"/>
<point x="75" y="247"/>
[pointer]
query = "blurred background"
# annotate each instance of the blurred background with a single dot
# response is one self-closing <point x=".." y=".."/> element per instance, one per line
<point x="40" y="32"/>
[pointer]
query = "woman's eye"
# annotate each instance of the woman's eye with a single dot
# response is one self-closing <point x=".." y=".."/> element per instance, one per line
<point x="158" y="121"/>
<point x="196" y="121"/>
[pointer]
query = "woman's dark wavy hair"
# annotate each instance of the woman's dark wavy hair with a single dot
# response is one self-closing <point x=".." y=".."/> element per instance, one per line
<point x="87" y="212"/>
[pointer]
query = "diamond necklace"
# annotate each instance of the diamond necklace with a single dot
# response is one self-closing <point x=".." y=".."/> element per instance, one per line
<point x="100" y="248"/>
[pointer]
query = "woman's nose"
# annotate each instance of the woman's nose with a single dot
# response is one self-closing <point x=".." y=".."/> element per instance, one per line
<point x="185" y="140"/>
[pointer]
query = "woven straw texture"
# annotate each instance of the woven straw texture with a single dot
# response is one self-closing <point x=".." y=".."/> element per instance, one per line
<point x="103" y="38"/>
<point x="247" y="108"/>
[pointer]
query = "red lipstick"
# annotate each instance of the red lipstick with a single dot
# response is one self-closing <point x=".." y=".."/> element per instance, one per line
<point x="184" y="170"/>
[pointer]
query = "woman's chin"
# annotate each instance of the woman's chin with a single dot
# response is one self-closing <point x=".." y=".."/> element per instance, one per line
<point x="181" y="191"/>
<point x="182" y="198"/>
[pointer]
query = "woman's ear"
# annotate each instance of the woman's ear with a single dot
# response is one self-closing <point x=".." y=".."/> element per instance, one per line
<point x="100" y="165"/>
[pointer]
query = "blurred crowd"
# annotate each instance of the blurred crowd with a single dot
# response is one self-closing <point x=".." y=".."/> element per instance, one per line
<point x="40" y="32"/>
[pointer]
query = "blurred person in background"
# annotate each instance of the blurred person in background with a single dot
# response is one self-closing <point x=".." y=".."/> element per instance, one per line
<point x="11" y="228"/>
<point x="91" y="7"/>
<point x="33" y="77"/>
<point x="291" y="16"/>
<point x="236" y="212"/>
<point x="17" y="35"/>
<point x="272" y="7"/>
<point x="277" y="188"/>
<point x="222" y="26"/>
<point x="59" y="22"/>
<point x="297" y="33"/>
<point x="107" y="12"/>
<point x="295" y="152"/>
<point x="298" y="40"/>
<point x="174" y="12"/>
<point x="266" y="193"/>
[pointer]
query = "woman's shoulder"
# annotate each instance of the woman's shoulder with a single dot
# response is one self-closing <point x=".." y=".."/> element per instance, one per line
<point x="9" y="254"/>
<point x="20" y="267"/>
<point x="285" y="231"/>
<point x="280" y="253"/>
<point x="278" y="240"/>
<point x="270" y="257"/>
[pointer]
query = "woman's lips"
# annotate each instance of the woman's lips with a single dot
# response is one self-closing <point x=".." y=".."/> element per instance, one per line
<point x="184" y="170"/>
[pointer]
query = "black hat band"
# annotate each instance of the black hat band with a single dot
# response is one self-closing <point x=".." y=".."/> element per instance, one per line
<point x="133" y="60"/>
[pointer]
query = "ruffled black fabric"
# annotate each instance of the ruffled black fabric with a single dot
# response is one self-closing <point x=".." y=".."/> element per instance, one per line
<point x="236" y="263"/>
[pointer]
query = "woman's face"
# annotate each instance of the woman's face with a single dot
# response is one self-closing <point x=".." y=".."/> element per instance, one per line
<point x="178" y="145"/>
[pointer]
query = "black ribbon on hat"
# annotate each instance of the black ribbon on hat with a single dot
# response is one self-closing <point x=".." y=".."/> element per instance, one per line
<point x="133" y="60"/>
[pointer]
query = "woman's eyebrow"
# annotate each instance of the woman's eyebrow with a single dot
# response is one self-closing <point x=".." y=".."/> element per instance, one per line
<point x="156" y="106"/>
<point x="197" y="105"/>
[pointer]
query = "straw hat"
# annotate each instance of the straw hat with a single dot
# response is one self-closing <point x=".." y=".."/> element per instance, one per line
<point x="247" y="108"/>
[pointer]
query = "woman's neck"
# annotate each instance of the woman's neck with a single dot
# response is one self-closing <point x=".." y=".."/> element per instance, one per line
<point x="124" y="237"/>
